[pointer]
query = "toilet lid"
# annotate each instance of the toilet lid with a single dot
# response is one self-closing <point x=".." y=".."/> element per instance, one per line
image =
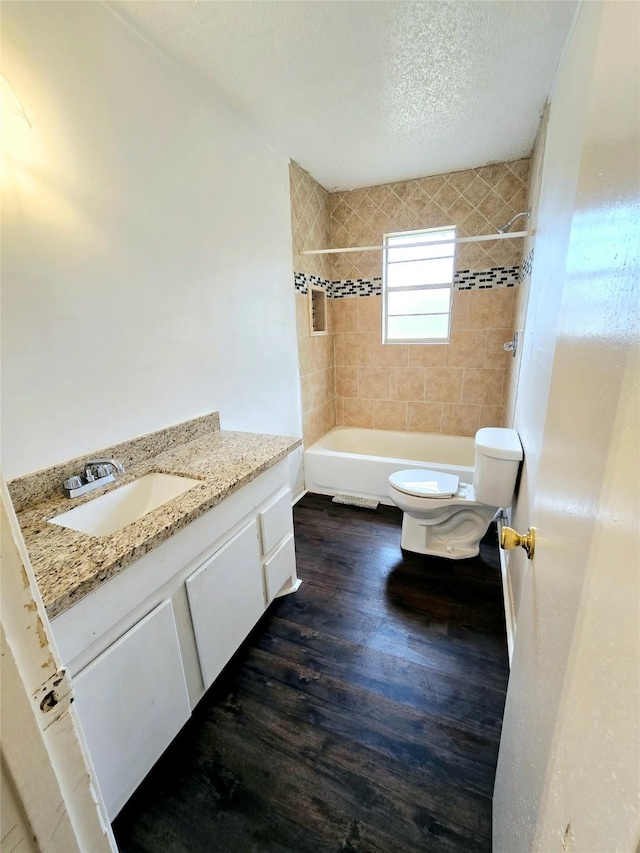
<point x="424" y="483"/>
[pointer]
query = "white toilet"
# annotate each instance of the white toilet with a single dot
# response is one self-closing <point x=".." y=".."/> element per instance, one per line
<point x="447" y="518"/>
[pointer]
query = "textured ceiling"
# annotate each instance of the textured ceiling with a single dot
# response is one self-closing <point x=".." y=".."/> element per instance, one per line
<point x="363" y="93"/>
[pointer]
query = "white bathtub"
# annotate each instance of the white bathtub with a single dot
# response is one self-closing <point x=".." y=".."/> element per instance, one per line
<point x="355" y="461"/>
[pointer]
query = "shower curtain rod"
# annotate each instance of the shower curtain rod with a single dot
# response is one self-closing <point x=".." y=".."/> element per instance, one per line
<point x="479" y="239"/>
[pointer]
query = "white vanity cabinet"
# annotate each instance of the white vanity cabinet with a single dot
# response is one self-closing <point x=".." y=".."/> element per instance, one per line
<point x="143" y="647"/>
<point x="132" y="701"/>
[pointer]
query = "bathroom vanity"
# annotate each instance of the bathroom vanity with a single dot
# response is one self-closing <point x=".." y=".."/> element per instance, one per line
<point x="146" y="618"/>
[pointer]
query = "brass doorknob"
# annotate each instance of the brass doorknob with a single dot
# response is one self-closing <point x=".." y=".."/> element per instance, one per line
<point x="510" y="539"/>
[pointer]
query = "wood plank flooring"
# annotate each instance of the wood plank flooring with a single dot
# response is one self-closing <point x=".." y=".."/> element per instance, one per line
<point x="361" y="716"/>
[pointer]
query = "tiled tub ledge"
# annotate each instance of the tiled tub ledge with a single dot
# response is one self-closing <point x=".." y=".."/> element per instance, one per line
<point x="69" y="564"/>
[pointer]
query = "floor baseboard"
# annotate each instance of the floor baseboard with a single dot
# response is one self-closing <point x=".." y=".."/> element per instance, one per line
<point x="507" y="596"/>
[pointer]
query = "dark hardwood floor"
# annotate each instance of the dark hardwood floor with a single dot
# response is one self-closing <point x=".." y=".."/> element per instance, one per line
<point x="362" y="714"/>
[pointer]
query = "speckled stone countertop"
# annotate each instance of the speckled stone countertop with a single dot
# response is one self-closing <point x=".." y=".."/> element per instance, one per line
<point x="69" y="565"/>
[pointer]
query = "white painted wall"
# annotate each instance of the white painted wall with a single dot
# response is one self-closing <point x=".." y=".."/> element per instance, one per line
<point x="146" y="248"/>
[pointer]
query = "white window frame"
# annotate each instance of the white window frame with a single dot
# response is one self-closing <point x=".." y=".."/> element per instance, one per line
<point x="449" y="235"/>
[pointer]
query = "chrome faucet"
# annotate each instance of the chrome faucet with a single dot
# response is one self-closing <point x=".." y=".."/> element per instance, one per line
<point x="97" y="473"/>
<point x="112" y="464"/>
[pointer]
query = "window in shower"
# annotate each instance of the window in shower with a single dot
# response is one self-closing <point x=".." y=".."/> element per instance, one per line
<point x="417" y="286"/>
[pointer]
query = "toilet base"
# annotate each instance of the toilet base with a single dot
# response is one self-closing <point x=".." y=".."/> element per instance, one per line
<point x="456" y="538"/>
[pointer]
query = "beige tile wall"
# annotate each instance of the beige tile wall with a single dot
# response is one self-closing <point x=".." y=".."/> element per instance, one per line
<point x="477" y="201"/>
<point x="310" y="227"/>
<point x="310" y="222"/>
<point x="521" y="299"/>
<point x="450" y="388"/>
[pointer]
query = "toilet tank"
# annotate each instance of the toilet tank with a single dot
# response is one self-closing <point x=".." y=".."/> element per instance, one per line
<point x="498" y="458"/>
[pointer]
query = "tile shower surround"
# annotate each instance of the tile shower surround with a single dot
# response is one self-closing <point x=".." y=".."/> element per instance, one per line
<point x="454" y="388"/>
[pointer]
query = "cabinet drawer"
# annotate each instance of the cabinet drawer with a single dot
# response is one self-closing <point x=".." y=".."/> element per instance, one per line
<point x="132" y="701"/>
<point x="276" y="521"/>
<point x="226" y="599"/>
<point x="280" y="567"/>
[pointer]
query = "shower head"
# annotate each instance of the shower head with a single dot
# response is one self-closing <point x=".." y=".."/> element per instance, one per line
<point x="507" y="227"/>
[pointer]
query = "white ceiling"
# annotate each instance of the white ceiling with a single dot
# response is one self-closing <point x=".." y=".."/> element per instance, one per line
<point x="363" y="93"/>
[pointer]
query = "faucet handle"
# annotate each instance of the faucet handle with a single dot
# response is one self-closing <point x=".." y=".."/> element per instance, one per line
<point x="117" y="466"/>
<point x="73" y="483"/>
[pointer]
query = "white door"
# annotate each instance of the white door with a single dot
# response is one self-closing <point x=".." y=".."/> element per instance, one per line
<point x="568" y="773"/>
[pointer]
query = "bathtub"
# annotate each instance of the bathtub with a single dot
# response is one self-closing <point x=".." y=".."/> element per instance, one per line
<point x="355" y="461"/>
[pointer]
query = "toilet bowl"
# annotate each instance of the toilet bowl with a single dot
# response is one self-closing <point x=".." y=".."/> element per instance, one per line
<point x="447" y="518"/>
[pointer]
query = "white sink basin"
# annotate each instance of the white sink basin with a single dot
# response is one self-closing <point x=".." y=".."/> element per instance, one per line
<point x="116" y="509"/>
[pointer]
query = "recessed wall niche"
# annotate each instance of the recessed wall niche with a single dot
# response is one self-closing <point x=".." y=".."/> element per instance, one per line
<point x="318" y="310"/>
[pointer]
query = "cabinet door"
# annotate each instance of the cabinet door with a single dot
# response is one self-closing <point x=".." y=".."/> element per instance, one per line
<point x="276" y="521"/>
<point x="226" y="599"/>
<point x="132" y="701"/>
<point x="280" y="567"/>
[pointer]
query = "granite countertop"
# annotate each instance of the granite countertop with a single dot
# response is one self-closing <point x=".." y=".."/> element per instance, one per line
<point x="69" y="565"/>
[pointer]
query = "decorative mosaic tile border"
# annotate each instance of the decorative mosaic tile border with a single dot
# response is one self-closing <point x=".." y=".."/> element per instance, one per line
<point x="302" y="280"/>
<point x="356" y="287"/>
<point x="486" y="279"/>
<point x="526" y="266"/>
<point x="463" y="280"/>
